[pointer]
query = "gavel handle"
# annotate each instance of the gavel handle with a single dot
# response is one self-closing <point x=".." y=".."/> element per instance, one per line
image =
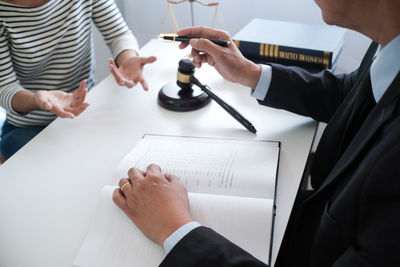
<point x="233" y="112"/>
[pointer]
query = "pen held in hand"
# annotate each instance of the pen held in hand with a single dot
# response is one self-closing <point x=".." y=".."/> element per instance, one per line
<point x="186" y="39"/>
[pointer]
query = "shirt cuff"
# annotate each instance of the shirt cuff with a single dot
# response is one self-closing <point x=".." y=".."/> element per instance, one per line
<point x="7" y="93"/>
<point x="176" y="236"/>
<point x="260" y="92"/>
<point x="127" y="41"/>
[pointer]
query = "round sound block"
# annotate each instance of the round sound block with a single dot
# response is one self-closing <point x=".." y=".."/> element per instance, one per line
<point x="172" y="97"/>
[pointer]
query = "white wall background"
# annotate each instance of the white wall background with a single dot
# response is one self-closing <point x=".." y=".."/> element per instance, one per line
<point x="145" y="19"/>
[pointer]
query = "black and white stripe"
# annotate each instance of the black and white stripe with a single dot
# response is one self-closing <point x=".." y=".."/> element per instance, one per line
<point x="50" y="47"/>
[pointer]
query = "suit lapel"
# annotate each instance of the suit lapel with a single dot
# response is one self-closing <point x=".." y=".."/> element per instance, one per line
<point x="380" y="114"/>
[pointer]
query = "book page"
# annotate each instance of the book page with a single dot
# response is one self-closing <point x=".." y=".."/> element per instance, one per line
<point x="113" y="240"/>
<point x="206" y="165"/>
<point x="247" y="222"/>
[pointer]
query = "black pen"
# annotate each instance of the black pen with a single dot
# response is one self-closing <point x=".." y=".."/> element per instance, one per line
<point x="233" y="112"/>
<point x="186" y="39"/>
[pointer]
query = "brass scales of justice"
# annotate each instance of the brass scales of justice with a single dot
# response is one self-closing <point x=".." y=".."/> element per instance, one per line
<point x="217" y="16"/>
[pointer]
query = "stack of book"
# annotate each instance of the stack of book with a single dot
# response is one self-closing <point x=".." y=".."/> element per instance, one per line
<point x="315" y="47"/>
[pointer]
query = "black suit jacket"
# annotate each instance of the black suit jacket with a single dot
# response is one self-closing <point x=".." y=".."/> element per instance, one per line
<point x="352" y="218"/>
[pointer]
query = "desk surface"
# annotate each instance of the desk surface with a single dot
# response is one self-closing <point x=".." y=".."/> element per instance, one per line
<point x="49" y="189"/>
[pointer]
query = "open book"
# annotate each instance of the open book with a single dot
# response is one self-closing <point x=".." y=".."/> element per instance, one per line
<point x="231" y="186"/>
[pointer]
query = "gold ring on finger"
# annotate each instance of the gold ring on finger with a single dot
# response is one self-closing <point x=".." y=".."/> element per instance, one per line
<point x="123" y="186"/>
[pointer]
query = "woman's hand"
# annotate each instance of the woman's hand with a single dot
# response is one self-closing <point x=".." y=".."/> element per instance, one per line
<point x="64" y="105"/>
<point x="129" y="71"/>
<point x="158" y="204"/>
<point x="228" y="61"/>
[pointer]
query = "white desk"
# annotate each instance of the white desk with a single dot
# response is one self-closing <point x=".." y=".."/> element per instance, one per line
<point x="49" y="189"/>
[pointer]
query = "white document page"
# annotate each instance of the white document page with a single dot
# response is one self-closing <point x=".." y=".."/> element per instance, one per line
<point x="113" y="240"/>
<point x="205" y="165"/>
<point x="247" y="222"/>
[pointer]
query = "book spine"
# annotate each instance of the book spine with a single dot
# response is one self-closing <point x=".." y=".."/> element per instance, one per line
<point x="285" y="55"/>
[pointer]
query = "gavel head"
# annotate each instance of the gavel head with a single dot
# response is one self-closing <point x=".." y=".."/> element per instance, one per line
<point x="179" y="95"/>
<point x="185" y="71"/>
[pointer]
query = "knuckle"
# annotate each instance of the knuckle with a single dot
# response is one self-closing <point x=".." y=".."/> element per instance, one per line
<point x="131" y="172"/>
<point x="202" y="42"/>
<point x="151" y="176"/>
<point x="225" y="33"/>
<point x="152" y="165"/>
<point x="141" y="187"/>
<point x="171" y="176"/>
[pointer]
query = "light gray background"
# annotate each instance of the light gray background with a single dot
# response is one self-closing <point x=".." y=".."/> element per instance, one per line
<point x="145" y="19"/>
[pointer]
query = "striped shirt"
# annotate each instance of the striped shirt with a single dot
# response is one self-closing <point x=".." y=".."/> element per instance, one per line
<point x="50" y="47"/>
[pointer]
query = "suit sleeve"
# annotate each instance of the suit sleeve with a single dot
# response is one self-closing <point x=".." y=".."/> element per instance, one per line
<point x="312" y="95"/>
<point x="377" y="240"/>
<point x="204" y="247"/>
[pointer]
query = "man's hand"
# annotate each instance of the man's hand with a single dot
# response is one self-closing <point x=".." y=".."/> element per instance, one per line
<point x="64" y="105"/>
<point x="158" y="204"/>
<point x="130" y="70"/>
<point x="228" y="61"/>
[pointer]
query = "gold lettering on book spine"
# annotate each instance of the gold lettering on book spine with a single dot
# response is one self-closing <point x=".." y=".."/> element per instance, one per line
<point x="271" y="52"/>
<point x="276" y="51"/>
<point x="288" y="56"/>
<point x="326" y="59"/>
<point x="237" y="43"/>
<point x="262" y="51"/>
<point x="267" y="51"/>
